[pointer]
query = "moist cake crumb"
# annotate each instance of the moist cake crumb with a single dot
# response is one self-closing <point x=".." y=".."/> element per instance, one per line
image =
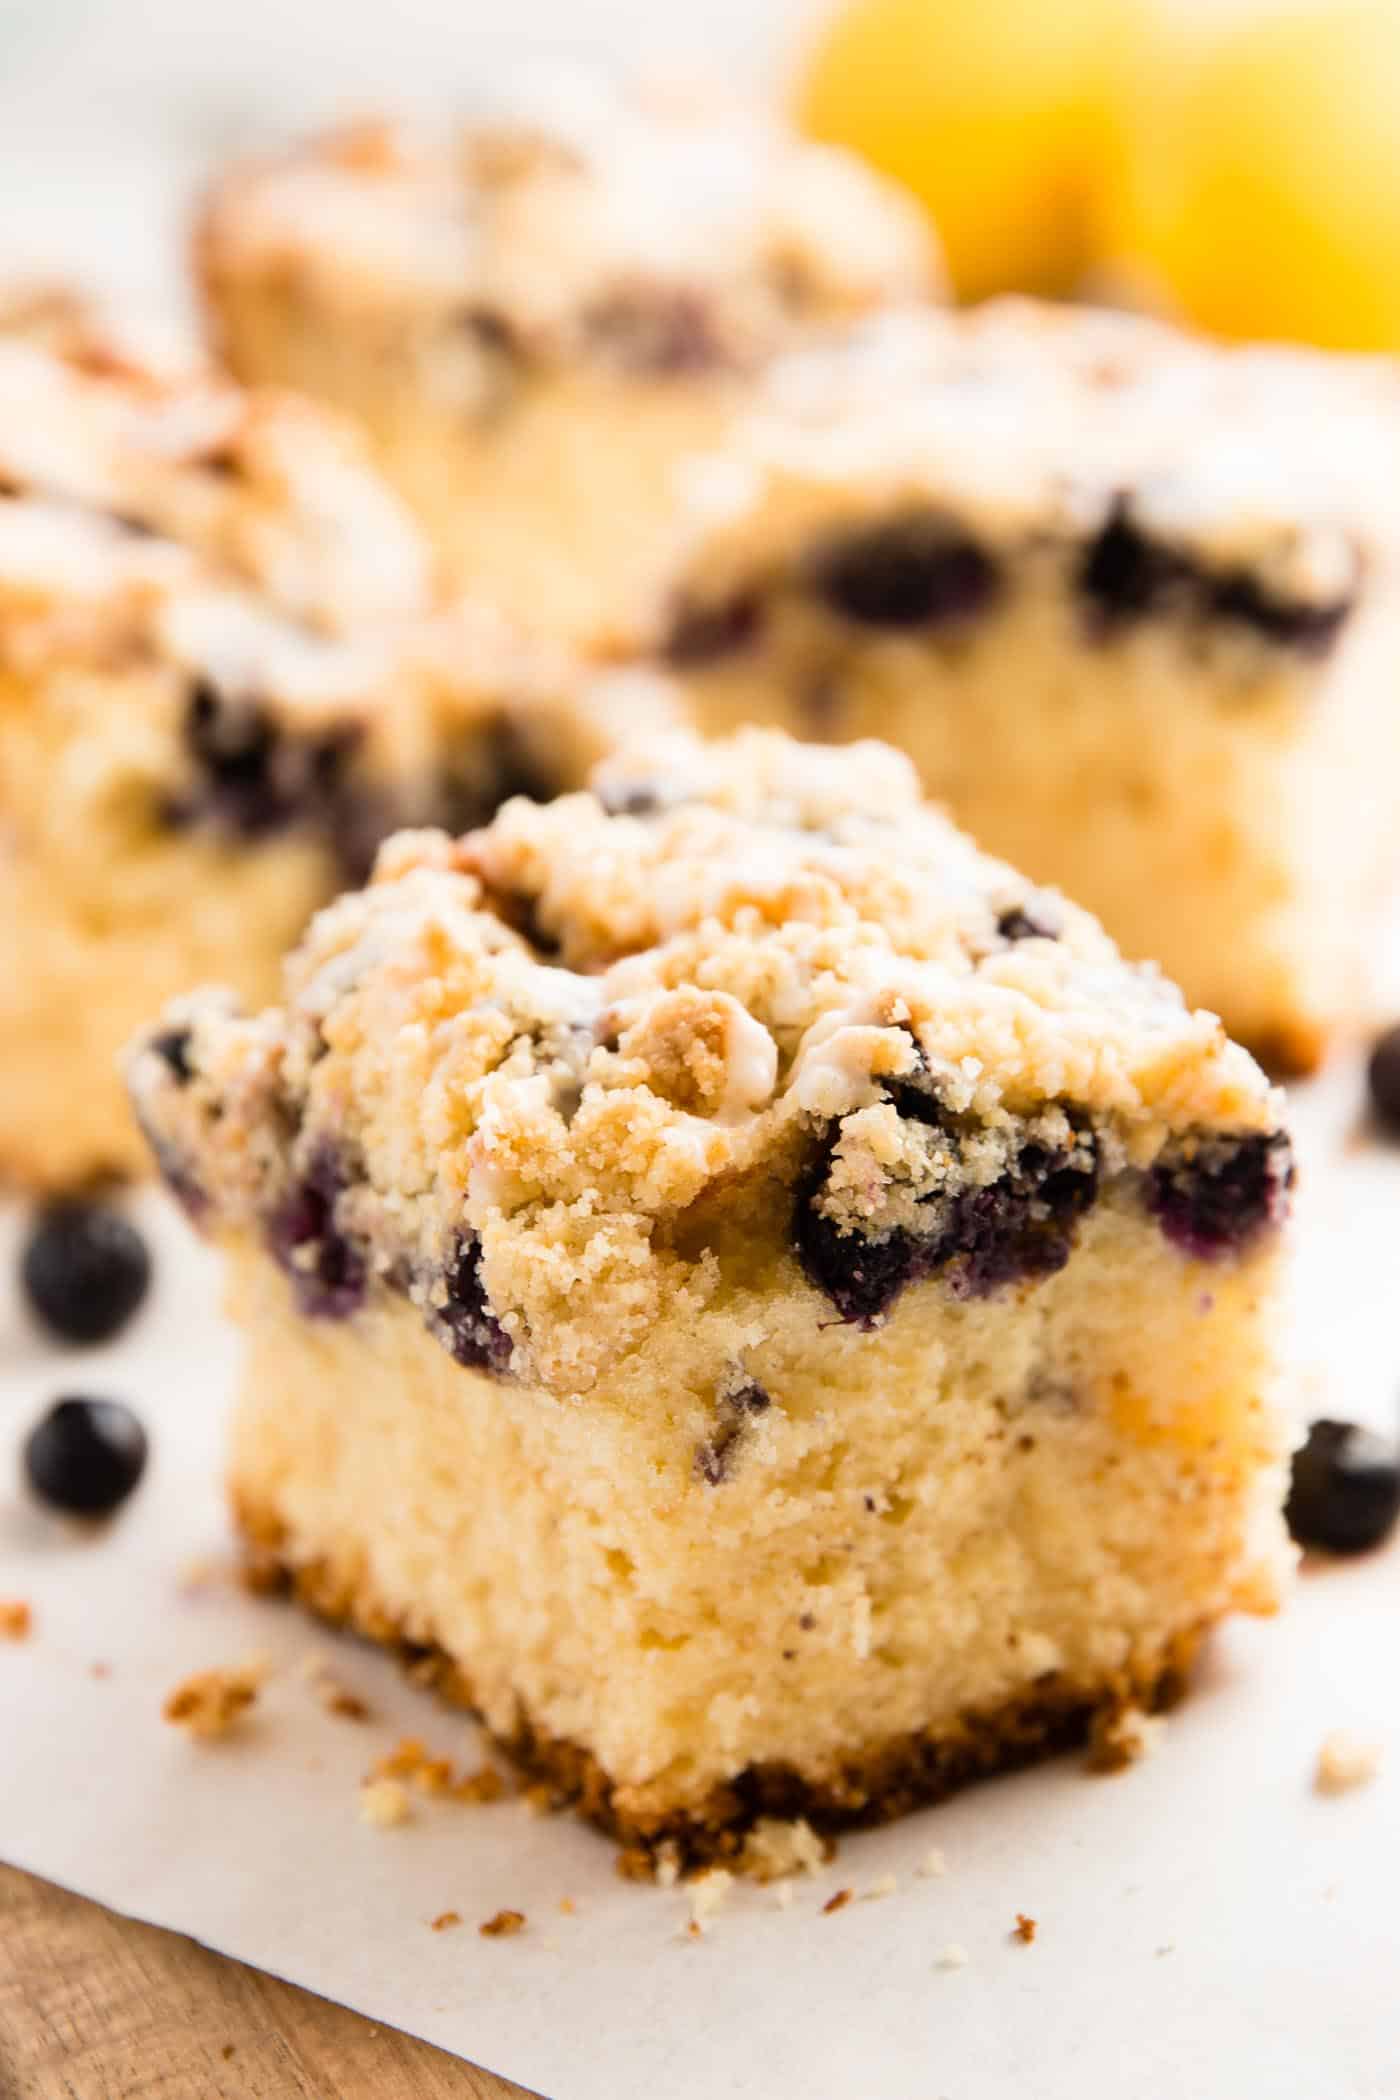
<point x="885" y="1885"/>
<point x="933" y="1865"/>
<point x="16" y="1619"/>
<point x="707" y="1893"/>
<point x="503" y="1925"/>
<point x="1024" y="1929"/>
<point x="1345" y="1761"/>
<point x="481" y="1787"/>
<point x="953" y="1956"/>
<point x="775" y="1849"/>
<point x="1122" y="1737"/>
<point x="212" y="1703"/>
<point x="384" y="1803"/>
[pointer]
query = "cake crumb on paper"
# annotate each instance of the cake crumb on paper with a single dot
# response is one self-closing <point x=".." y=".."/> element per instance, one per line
<point x="953" y="1956"/>
<point x="504" y="1925"/>
<point x="16" y="1619"/>
<point x="836" y="1902"/>
<point x="1346" y="1761"/>
<point x="481" y="1787"/>
<point x="708" y="1892"/>
<point x="932" y="1866"/>
<point x="884" y="1885"/>
<point x="1024" y="1929"/>
<point x="783" y="1895"/>
<point x="666" y="1863"/>
<point x="334" y="1696"/>
<point x="775" y="1849"/>
<point x="212" y="1702"/>
<point x="1123" y="1736"/>
<point x="384" y="1803"/>
<point x="567" y="1907"/>
<point x="446" y="1919"/>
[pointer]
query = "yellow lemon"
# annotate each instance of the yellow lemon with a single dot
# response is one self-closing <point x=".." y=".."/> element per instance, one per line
<point x="994" y="112"/>
<point x="1258" y="171"/>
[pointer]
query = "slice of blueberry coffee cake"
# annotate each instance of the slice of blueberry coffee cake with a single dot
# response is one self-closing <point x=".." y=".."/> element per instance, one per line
<point x="767" y="1305"/>
<point x="213" y="704"/>
<point x="1130" y="602"/>
<point x="538" y="315"/>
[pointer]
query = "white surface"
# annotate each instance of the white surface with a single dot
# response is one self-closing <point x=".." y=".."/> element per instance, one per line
<point x="1210" y="1929"/>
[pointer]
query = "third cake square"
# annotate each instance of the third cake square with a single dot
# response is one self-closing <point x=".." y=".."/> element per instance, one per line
<point x="1131" y="601"/>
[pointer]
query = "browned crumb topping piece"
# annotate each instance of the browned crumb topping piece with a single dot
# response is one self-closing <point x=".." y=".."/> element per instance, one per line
<point x="836" y="1902"/>
<point x="16" y="1619"/>
<point x="567" y="1906"/>
<point x="347" y="1706"/>
<point x="446" y="1919"/>
<point x="1024" y="1929"/>
<point x="775" y="1848"/>
<point x="212" y="1702"/>
<point x="410" y="1759"/>
<point x="503" y="1925"/>
<point x="384" y="1803"/>
<point x="1346" y="1761"/>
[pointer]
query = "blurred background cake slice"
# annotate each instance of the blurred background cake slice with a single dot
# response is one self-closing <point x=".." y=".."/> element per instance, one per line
<point x="759" y="1293"/>
<point x="1129" y="600"/>
<point x="537" y="315"/>
<point x="221" y="683"/>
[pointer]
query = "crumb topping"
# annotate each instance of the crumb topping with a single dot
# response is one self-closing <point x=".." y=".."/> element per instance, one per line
<point x="212" y="1703"/>
<point x="504" y="1925"/>
<point x="16" y="1619"/>
<point x="509" y="1069"/>
<point x="654" y="234"/>
<point x="889" y="474"/>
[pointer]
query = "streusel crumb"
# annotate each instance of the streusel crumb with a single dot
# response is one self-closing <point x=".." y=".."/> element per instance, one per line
<point x="211" y="1703"/>
<point x="16" y="1619"/>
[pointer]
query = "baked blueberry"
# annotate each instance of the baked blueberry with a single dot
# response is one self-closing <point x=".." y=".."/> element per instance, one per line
<point x="916" y="571"/>
<point x="85" y="1271"/>
<point x="1124" y="575"/>
<point x="1018" y="925"/>
<point x="1345" y="1491"/>
<point x="465" y="1323"/>
<point x="1383" y="1080"/>
<point x="85" y="1456"/>
<point x="327" y="1270"/>
<point x="1215" y="1200"/>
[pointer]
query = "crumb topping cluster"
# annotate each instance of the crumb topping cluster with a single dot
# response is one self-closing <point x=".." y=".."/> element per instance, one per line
<point x="652" y="233"/>
<point x="1154" y="458"/>
<point x="515" y="1074"/>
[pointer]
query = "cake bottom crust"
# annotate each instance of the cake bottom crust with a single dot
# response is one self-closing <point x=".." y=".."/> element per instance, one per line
<point x="883" y="1782"/>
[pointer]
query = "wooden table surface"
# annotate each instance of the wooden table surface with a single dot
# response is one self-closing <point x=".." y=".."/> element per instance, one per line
<point x="94" y="2007"/>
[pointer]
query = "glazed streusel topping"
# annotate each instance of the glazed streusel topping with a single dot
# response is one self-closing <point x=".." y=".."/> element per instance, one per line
<point x="1248" y="485"/>
<point x="652" y="233"/>
<point x="526" y="1075"/>
<point x="258" y="491"/>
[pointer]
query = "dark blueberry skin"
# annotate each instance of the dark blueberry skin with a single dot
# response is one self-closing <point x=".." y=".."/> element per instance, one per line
<point x="1345" y="1491"/>
<point x="326" y="1270"/>
<point x="1219" y="1203"/>
<point x="465" y="1324"/>
<point x="658" y="333"/>
<point x="172" y="1046"/>
<point x="705" y="634"/>
<point x="85" y="1456"/>
<point x="714" y="1457"/>
<point x="254" y="780"/>
<point x="1125" y="576"/>
<point x="1018" y="925"/>
<point x="85" y="1271"/>
<point x="1020" y="1227"/>
<point x="1383" y="1081"/>
<point x="912" y="572"/>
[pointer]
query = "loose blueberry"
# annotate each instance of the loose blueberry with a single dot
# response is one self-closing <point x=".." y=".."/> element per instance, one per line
<point x="1345" y="1491"/>
<point x="85" y="1271"/>
<point x="1383" y="1080"/>
<point x="1220" y="1199"/>
<point x="465" y="1324"/>
<point x="327" y="1270"/>
<point x="917" y="571"/>
<point x="85" y="1456"/>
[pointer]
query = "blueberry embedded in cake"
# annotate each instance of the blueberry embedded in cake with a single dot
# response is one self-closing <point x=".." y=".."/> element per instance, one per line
<point x="1130" y="601"/>
<point x="780" y="1341"/>
<point x="539" y="318"/>
<point x="220" y="687"/>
